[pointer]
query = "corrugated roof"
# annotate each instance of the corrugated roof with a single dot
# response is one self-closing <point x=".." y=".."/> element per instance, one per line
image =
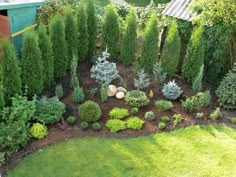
<point x="179" y="9"/>
<point x="11" y="4"/>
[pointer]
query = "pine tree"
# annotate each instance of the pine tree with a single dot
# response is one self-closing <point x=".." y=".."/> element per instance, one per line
<point x="10" y="72"/>
<point x="45" y="46"/>
<point x="71" y="30"/>
<point x="110" y="30"/>
<point x="92" y="27"/>
<point x="194" y="58"/>
<point x="82" y="32"/>
<point x="32" y="65"/>
<point x="150" y="45"/>
<point x="197" y="83"/>
<point x="128" y="48"/>
<point x="171" y="50"/>
<point x="57" y="36"/>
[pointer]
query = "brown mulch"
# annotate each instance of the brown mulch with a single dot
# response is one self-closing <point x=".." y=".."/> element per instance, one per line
<point x="61" y="131"/>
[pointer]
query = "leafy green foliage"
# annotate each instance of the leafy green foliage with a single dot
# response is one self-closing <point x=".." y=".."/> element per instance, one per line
<point x="149" y="115"/>
<point x="45" y="46"/>
<point x="197" y="83"/>
<point x="90" y="111"/>
<point x="136" y="98"/>
<point x="171" y="50"/>
<point x="84" y="125"/>
<point x="128" y="48"/>
<point x="161" y="125"/>
<point x="118" y="113"/>
<point x="194" y="58"/>
<point x="165" y="119"/>
<point x="10" y="72"/>
<point x="135" y="123"/>
<point x="171" y="90"/>
<point x="149" y="46"/>
<point x="58" y="39"/>
<point x="59" y="91"/>
<point x="115" y="125"/>
<point x="82" y="32"/>
<point x="92" y="27"/>
<point x="177" y="119"/>
<point x="226" y="92"/>
<point x="158" y="73"/>
<point x="71" y="120"/>
<point x="163" y="105"/>
<point x="32" y="65"/>
<point x="71" y="32"/>
<point x="216" y="114"/>
<point x="110" y="30"/>
<point x="142" y="82"/>
<point x="103" y="92"/>
<point x="49" y="110"/>
<point x="38" y="131"/>
<point x="78" y="95"/>
<point x="96" y="126"/>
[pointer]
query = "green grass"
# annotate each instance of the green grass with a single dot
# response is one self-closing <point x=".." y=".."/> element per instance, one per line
<point x="199" y="151"/>
<point x="146" y="2"/>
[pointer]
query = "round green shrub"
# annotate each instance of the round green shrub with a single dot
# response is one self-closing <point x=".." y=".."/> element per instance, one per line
<point x="90" y="111"/>
<point x="165" y="119"/>
<point x="136" y="98"/>
<point x="134" y="123"/>
<point x="149" y="116"/>
<point x="161" y="125"/>
<point x="71" y="120"/>
<point x="84" y="125"/>
<point x="96" y="126"/>
<point x="134" y="110"/>
<point x="38" y="131"/>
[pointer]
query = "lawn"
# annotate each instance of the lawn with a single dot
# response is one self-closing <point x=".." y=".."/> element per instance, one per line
<point x="197" y="151"/>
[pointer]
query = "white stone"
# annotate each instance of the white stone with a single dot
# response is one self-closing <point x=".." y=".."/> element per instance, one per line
<point x="121" y="89"/>
<point x="112" y="90"/>
<point x="120" y="95"/>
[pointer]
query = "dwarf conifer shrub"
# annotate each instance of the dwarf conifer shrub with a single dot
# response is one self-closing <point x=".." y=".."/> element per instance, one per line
<point x="82" y="32"/>
<point x="38" y="131"/>
<point x="103" y="92"/>
<point x="216" y="114"/>
<point x="158" y="73"/>
<point x="142" y="82"/>
<point x="96" y="126"/>
<point x="149" y="46"/>
<point x="128" y="48"/>
<point x="45" y="46"/>
<point x="161" y="125"/>
<point x="110" y="30"/>
<point x="59" y="91"/>
<point x="78" y="95"/>
<point x="149" y="115"/>
<point x="74" y="82"/>
<point x="171" y="50"/>
<point x="165" y="119"/>
<point x="177" y="119"/>
<point x="58" y="39"/>
<point x="171" y="90"/>
<point x="71" y="120"/>
<point x="136" y="98"/>
<point x="84" y="125"/>
<point x="32" y="65"/>
<point x="10" y="72"/>
<point x="90" y="111"/>
<point x="163" y="105"/>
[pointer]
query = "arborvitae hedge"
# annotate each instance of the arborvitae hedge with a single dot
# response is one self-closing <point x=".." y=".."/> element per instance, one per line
<point x="92" y="27"/>
<point x="171" y="50"/>
<point x="82" y="32"/>
<point x="45" y="46"/>
<point x="194" y="58"/>
<point x="128" y="48"/>
<point x="58" y="39"/>
<point x="32" y="65"/>
<point x="110" y="30"/>
<point x="149" y="48"/>
<point x="71" y="30"/>
<point x="10" y="71"/>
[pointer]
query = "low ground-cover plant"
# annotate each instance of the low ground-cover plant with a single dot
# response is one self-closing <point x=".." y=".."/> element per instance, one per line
<point x="136" y="98"/>
<point x="90" y="111"/>
<point x="177" y="119"/>
<point x="71" y="120"/>
<point x="78" y="95"/>
<point x="171" y="90"/>
<point x="118" y="113"/>
<point x="135" y="123"/>
<point x="149" y="116"/>
<point x="49" y="110"/>
<point x="163" y="105"/>
<point x="115" y="125"/>
<point x="38" y="131"/>
<point x="216" y="114"/>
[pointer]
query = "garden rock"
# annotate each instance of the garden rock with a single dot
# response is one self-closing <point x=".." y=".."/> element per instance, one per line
<point x="112" y="90"/>
<point x="120" y="95"/>
<point x="121" y="89"/>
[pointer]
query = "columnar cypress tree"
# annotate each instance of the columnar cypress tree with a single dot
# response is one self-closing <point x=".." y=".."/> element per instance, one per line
<point x="32" y="65"/>
<point x="82" y="32"/>
<point x="92" y="27"/>
<point x="150" y="45"/>
<point x="128" y="48"/>
<point x="194" y="58"/>
<point x="171" y="50"/>
<point x="58" y="39"/>
<point x="45" y="46"/>
<point x="2" y="101"/>
<point x="197" y="83"/>
<point x="10" y="71"/>
<point x="110" y="30"/>
<point x="71" y="31"/>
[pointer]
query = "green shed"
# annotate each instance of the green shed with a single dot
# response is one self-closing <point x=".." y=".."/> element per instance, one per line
<point x="16" y="17"/>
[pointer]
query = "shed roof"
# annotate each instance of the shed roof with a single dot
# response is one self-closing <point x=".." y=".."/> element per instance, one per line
<point x="13" y="4"/>
<point x="179" y="9"/>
